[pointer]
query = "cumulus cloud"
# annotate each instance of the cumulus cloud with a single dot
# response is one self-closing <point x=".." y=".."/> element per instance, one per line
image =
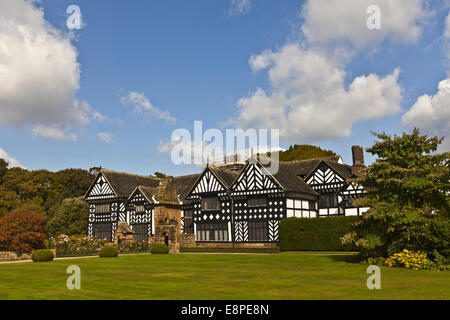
<point x="13" y="163"/>
<point x="432" y="113"/>
<point x="53" y="132"/>
<point x="239" y="7"/>
<point x="308" y="99"/>
<point x="105" y="137"/>
<point x="329" y="22"/>
<point x="39" y="73"/>
<point x="142" y="107"/>
<point x="97" y="116"/>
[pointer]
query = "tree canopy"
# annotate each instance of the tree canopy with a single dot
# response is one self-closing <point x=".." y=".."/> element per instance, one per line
<point x="408" y="190"/>
<point x="303" y="152"/>
<point x="22" y="231"/>
<point x="40" y="190"/>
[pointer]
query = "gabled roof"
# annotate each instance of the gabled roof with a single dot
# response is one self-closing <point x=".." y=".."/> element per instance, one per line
<point x="226" y="176"/>
<point x="148" y="193"/>
<point x="124" y="184"/>
<point x="289" y="178"/>
<point x="170" y="190"/>
<point x="184" y="184"/>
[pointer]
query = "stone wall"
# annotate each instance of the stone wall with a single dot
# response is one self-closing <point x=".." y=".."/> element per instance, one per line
<point x="186" y="240"/>
<point x="162" y="213"/>
<point x="12" y="256"/>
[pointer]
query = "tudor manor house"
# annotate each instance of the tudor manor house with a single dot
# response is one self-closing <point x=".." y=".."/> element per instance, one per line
<point x="236" y="204"/>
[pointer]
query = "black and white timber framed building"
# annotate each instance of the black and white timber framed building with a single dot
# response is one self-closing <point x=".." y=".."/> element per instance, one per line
<point x="234" y="204"/>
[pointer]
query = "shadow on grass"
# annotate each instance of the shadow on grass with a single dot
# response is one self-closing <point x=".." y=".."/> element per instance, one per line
<point x="348" y="259"/>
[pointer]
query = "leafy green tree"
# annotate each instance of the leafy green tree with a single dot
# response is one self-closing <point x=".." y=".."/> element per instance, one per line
<point x="69" y="218"/>
<point x="160" y="175"/>
<point x="3" y="169"/>
<point x="408" y="190"/>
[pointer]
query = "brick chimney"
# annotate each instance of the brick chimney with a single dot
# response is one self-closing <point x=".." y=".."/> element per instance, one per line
<point x="358" y="156"/>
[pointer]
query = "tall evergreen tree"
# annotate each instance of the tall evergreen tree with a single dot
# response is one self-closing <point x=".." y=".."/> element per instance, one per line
<point x="408" y="190"/>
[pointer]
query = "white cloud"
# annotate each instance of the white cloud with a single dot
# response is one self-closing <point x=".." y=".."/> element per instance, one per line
<point x="105" y="137"/>
<point x="447" y="38"/>
<point x="13" y="163"/>
<point x="308" y="99"/>
<point x="447" y="27"/>
<point x="432" y="113"/>
<point x="338" y="22"/>
<point x="39" y="72"/>
<point x="97" y="116"/>
<point x="142" y="107"/>
<point x="54" y="132"/>
<point x="239" y="7"/>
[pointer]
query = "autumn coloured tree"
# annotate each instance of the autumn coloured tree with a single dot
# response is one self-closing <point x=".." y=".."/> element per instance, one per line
<point x="22" y="231"/>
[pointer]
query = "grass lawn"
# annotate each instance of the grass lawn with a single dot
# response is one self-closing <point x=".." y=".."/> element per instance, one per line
<point x="217" y="276"/>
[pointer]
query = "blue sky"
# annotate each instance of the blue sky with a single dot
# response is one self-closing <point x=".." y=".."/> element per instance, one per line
<point x="195" y="60"/>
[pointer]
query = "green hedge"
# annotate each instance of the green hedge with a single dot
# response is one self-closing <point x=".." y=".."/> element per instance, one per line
<point x="108" y="252"/>
<point x="159" y="248"/>
<point x="230" y="250"/>
<point x="42" y="255"/>
<point x="321" y="234"/>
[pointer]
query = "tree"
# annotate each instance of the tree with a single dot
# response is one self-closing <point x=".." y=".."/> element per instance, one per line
<point x="303" y="152"/>
<point x="22" y="231"/>
<point x="70" y="218"/>
<point x="40" y="190"/>
<point x="408" y="190"/>
<point x="3" y="169"/>
<point x="160" y="175"/>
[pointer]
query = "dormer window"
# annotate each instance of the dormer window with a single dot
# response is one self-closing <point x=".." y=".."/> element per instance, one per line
<point x="211" y="203"/>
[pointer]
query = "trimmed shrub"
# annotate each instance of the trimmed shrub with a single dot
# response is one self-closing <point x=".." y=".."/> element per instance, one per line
<point x="320" y="234"/>
<point x="230" y="250"/>
<point x="108" y="252"/>
<point x="43" y="255"/>
<point x="159" y="248"/>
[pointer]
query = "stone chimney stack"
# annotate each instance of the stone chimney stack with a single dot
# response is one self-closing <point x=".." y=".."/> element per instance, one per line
<point x="358" y="156"/>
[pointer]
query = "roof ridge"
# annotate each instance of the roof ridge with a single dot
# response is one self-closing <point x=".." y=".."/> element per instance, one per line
<point x="130" y="174"/>
<point x="311" y="159"/>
